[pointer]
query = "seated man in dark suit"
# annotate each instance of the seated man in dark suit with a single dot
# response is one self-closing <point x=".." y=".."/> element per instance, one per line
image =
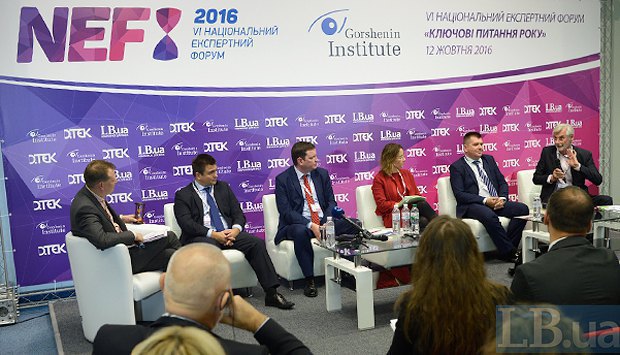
<point x="305" y="199"/>
<point x="197" y="294"/>
<point x="481" y="193"/>
<point x="93" y="218"/>
<point x="563" y="164"/>
<point x="573" y="271"/>
<point x="208" y="212"/>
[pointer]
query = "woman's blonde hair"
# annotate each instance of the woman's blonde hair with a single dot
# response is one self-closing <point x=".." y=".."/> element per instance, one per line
<point x="176" y="340"/>
<point x="389" y="156"/>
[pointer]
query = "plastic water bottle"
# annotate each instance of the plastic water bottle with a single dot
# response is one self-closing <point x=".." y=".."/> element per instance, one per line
<point x="330" y="233"/>
<point x="415" y="220"/>
<point x="537" y="208"/>
<point x="396" y="219"/>
<point x="405" y="217"/>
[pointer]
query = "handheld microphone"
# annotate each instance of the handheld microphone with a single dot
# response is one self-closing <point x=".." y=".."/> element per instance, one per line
<point x="338" y="213"/>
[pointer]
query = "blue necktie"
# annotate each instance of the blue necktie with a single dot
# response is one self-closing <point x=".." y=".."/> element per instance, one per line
<point x="486" y="179"/>
<point x="214" y="212"/>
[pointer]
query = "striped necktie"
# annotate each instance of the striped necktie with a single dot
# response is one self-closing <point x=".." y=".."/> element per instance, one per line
<point x="485" y="179"/>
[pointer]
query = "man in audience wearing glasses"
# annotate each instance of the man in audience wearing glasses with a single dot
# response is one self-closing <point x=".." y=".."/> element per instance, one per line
<point x="197" y="294"/>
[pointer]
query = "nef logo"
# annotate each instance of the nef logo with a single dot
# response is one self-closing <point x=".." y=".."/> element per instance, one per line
<point x="336" y="158"/>
<point x="119" y="197"/>
<point x="75" y="133"/>
<point x="531" y="109"/>
<point x="441" y="169"/>
<point x="487" y="111"/>
<point x="364" y="176"/>
<point x="184" y="170"/>
<point x="362" y="137"/>
<point x="44" y="205"/>
<point x="309" y="139"/>
<point x="511" y="163"/>
<point x="182" y="127"/>
<point x="211" y="147"/>
<point x="510" y="127"/>
<point x="118" y="153"/>
<point x="440" y="132"/>
<point x="414" y="115"/>
<point x="278" y="163"/>
<point x="416" y="152"/>
<point x="42" y="158"/>
<point x="341" y="198"/>
<point x="81" y="49"/>
<point x="272" y="122"/>
<point x="335" y="119"/>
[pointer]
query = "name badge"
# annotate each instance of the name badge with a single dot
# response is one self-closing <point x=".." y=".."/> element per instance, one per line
<point x="315" y="207"/>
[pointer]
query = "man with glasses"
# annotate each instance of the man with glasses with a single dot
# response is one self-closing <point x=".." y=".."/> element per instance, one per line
<point x="208" y="211"/>
<point x="93" y="218"/>
<point x="563" y="164"/>
<point x="197" y="294"/>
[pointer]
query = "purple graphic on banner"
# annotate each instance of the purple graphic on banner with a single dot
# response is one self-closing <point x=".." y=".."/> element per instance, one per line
<point x="153" y="139"/>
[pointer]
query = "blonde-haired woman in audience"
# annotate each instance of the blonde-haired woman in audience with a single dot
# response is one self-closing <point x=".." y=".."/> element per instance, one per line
<point x="175" y="340"/>
<point x="451" y="307"/>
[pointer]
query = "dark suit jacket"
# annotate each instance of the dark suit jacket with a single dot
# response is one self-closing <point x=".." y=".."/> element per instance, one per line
<point x="547" y="163"/>
<point x="121" y="339"/>
<point x="465" y="185"/>
<point x="89" y="220"/>
<point x="572" y="272"/>
<point x="189" y="212"/>
<point x="290" y="198"/>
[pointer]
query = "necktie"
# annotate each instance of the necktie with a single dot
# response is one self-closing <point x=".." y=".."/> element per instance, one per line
<point x="117" y="228"/>
<point x="313" y="215"/>
<point x="485" y="179"/>
<point x="214" y="212"/>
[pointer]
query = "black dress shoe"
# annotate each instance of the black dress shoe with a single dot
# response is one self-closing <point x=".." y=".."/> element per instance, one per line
<point x="277" y="300"/>
<point x="310" y="289"/>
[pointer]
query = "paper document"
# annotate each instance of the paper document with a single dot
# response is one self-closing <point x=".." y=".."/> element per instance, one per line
<point x="152" y="236"/>
<point x="411" y="199"/>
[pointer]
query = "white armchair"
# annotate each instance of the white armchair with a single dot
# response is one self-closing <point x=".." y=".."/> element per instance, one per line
<point x="527" y="190"/>
<point x="283" y="254"/>
<point x="447" y="206"/>
<point x="106" y="290"/>
<point x="242" y="274"/>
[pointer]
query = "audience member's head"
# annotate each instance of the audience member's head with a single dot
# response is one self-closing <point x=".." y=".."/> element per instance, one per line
<point x="392" y="156"/>
<point x="569" y="211"/>
<point x="175" y="340"/>
<point x="452" y="304"/>
<point x="197" y="284"/>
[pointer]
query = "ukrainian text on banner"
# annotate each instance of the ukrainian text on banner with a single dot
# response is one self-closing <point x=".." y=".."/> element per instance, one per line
<point x="125" y="84"/>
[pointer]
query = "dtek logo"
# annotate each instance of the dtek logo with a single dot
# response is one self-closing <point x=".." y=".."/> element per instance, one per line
<point x="362" y="137"/>
<point x="51" y="249"/>
<point x="244" y="123"/>
<point x="81" y="49"/>
<point x="440" y="169"/>
<point x="75" y="133"/>
<point x="415" y="115"/>
<point x="487" y="111"/>
<point x="210" y="147"/>
<point x="119" y="197"/>
<point x="531" y="109"/>
<point x="337" y="118"/>
<point x="42" y="158"/>
<point x="273" y="122"/>
<point x="182" y="170"/>
<point x="511" y="163"/>
<point x="278" y="163"/>
<point x="336" y="158"/>
<point x="45" y="205"/>
<point x="552" y="124"/>
<point x="510" y="127"/>
<point x="531" y="143"/>
<point x="341" y="198"/>
<point x="309" y="139"/>
<point x="489" y="147"/>
<point x="118" y="153"/>
<point x="364" y="176"/>
<point x="329" y="26"/>
<point x="416" y="152"/>
<point x="75" y="179"/>
<point x="182" y="127"/>
<point x="440" y="132"/>
<point x="423" y="189"/>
